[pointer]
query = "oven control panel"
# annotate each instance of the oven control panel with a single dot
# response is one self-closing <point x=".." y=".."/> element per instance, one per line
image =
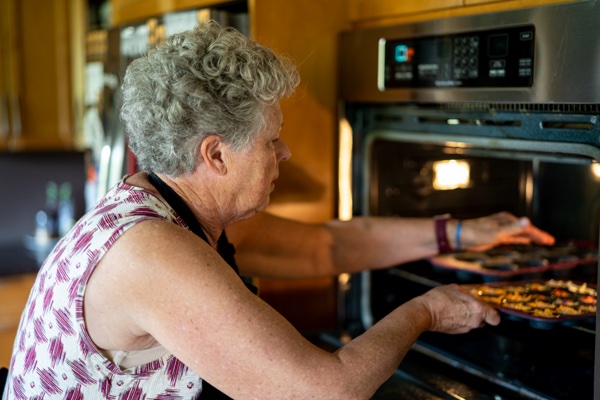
<point x="490" y="58"/>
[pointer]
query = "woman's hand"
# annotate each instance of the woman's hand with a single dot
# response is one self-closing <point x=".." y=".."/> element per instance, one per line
<point x="502" y="228"/>
<point x="454" y="311"/>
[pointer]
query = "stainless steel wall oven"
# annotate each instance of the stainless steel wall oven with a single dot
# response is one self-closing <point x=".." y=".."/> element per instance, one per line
<point x="470" y="116"/>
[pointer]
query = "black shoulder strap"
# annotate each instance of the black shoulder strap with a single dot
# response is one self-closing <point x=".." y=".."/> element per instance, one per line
<point x="177" y="203"/>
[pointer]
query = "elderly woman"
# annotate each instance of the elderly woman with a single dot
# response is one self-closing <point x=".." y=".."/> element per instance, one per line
<point x="142" y="298"/>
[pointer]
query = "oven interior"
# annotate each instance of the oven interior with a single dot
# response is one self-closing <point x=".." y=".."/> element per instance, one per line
<point x="540" y="163"/>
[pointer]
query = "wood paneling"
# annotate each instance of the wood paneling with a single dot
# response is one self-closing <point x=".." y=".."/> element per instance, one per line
<point x="371" y="9"/>
<point x="9" y="74"/>
<point x="390" y="12"/>
<point x="306" y="32"/>
<point x="37" y="70"/>
<point x="127" y="11"/>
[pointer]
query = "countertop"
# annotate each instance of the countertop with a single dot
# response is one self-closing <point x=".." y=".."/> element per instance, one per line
<point x="14" y="291"/>
<point x="18" y="269"/>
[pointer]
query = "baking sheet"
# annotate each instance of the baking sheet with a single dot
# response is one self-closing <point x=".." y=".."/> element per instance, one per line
<point x="509" y="262"/>
<point x="543" y="303"/>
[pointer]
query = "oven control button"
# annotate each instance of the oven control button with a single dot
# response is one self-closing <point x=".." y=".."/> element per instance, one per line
<point x="497" y="64"/>
<point x="528" y="35"/>
<point x="524" y="71"/>
<point x="525" y="62"/>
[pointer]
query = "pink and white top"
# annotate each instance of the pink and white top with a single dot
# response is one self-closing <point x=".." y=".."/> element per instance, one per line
<point x="53" y="355"/>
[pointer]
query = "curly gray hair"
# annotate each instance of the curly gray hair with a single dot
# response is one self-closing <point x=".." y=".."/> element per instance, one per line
<point x="210" y="80"/>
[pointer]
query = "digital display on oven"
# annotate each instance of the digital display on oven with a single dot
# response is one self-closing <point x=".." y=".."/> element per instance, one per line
<point x="492" y="58"/>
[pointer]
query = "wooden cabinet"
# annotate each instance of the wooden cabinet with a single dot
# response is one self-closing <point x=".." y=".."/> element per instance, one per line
<point x="38" y="67"/>
<point x="127" y="11"/>
<point x="366" y="13"/>
<point x="10" y="119"/>
<point x="307" y="32"/>
<point x="364" y="10"/>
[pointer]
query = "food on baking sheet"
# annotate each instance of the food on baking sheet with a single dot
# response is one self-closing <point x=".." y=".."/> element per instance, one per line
<point x="518" y="297"/>
<point x="506" y="262"/>
<point x="528" y="260"/>
<point x="589" y="299"/>
<point x="516" y="289"/>
<point x="552" y="299"/>
<point x="500" y="263"/>
<point x="471" y="256"/>
<point x="543" y="313"/>
<point x="538" y="287"/>
<point x="541" y="304"/>
<point x="518" y="306"/>
<point x="567" y="302"/>
<point x="572" y="287"/>
<point x="494" y="300"/>
<point x="561" y="293"/>
<point x="586" y="309"/>
<point x="485" y="290"/>
<point x="583" y="289"/>
<point x="566" y="310"/>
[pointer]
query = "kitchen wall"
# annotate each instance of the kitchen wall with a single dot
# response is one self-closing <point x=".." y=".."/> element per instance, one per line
<point x="23" y="178"/>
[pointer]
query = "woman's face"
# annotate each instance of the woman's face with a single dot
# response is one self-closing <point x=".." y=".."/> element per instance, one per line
<point x="256" y="168"/>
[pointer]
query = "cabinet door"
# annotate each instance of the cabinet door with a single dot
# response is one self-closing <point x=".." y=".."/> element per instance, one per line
<point x="366" y="13"/>
<point x="127" y="11"/>
<point x="306" y="32"/>
<point x="9" y="107"/>
<point x="4" y="124"/>
<point x="362" y="10"/>
<point x="37" y="69"/>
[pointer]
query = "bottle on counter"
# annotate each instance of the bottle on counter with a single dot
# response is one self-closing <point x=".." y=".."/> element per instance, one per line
<point x="51" y="209"/>
<point x="42" y="234"/>
<point x="46" y="219"/>
<point x="66" y="210"/>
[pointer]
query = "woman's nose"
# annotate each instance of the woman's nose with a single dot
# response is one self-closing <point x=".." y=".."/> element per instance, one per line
<point x="284" y="151"/>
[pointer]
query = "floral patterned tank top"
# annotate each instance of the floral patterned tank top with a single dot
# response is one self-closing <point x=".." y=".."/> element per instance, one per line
<point x="53" y="355"/>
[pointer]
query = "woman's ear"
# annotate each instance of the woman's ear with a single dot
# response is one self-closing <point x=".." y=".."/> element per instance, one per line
<point x="212" y="152"/>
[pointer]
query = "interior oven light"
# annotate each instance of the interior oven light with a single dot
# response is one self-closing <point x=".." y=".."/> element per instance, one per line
<point x="451" y="174"/>
<point x="596" y="169"/>
<point x="345" y="170"/>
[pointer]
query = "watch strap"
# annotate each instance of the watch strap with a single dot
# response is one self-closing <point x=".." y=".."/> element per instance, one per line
<point x="441" y="234"/>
